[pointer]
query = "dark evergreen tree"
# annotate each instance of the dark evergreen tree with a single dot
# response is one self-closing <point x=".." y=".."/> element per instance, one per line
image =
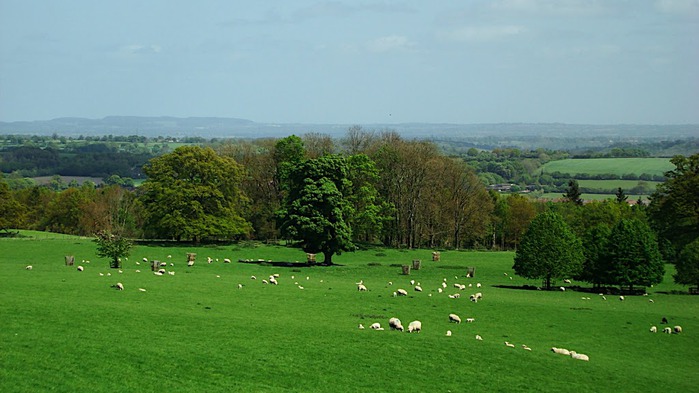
<point x="573" y="193"/>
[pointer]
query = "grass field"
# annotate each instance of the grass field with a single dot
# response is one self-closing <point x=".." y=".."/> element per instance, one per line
<point x="589" y="197"/>
<point x="620" y="166"/>
<point x="68" y="331"/>
<point x="614" y="184"/>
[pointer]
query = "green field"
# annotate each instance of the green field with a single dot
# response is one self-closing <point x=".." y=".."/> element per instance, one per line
<point x="618" y="166"/>
<point x="614" y="184"/>
<point x="589" y="197"/>
<point x="68" y="331"/>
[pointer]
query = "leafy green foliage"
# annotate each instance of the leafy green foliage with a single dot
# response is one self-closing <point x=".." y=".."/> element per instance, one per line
<point x="688" y="265"/>
<point x="317" y="210"/>
<point x="192" y="193"/>
<point x="632" y="255"/>
<point x="112" y="246"/>
<point x="549" y="250"/>
<point x="573" y="193"/>
<point x="11" y="211"/>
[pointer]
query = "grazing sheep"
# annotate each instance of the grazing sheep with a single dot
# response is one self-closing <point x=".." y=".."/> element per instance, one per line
<point x="80" y="268"/>
<point x="509" y="344"/>
<point x="361" y="288"/>
<point x="300" y="287"/>
<point x="240" y="286"/>
<point x="209" y="260"/>
<point x="163" y="264"/>
<point x="567" y="281"/>
<point x="158" y="273"/>
<point x="526" y="348"/>
<point x="376" y="326"/>
<point x="226" y="260"/>
<point x="448" y="333"/>
<point x="454" y="318"/>
<point x="440" y="290"/>
<point x="667" y="330"/>
<point x="395" y="294"/>
<point x="190" y="263"/>
<point x="138" y="271"/>
<point x="29" y="267"/>
<point x="162" y="271"/>
<point x="265" y="282"/>
<point x="119" y="286"/>
<point x="361" y="327"/>
<point x="171" y="273"/>
<point x="145" y="259"/>
<point x="390" y="283"/>
<point x="402" y="292"/>
<point x="273" y="280"/>
<point x="560" y="351"/>
<point x="253" y="278"/>
<point x="604" y="297"/>
<point x="653" y="329"/>
<point x="395" y="324"/>
<point x="414" y="326"/>
<point x="455" y="296"/>
<point x="444" y="285"/>
<point x="412" y="282"/>
<point x="479" y="338"/>
<point x="677" y="329"/>
<point x="621" y="298"/>
<point x="650" y="301"/>
<point x="101" y="274"/>
<point x="418" y="288"/>
<point x="469" y="320"/>
<point x="579" y="356"/>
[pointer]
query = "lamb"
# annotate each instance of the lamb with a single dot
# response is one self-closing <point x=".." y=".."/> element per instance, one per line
<point x="455" y="296"/>
<point x="402" y="292"/>
<point x="412" y="282"/>
<point x="667" y="330"/>
<point x="119" y="286"/>
<point x="395" y="324"/>
<point x="454" y="318"/>
<point x="361" y="288"/>
<point x="414" y="326"/>
<point x="448" y="333"/>
<point x="579" y="356"/>
<point x="469" y="320"/>
<point x="376" y="326"/>
<point x="80" y="268"/>
<point x="677" y="329"/>
<point x="29" y="267"/>
<point x="560" y="351"/>
<point x="478" y="285"/>
<point x="653" y="329"/>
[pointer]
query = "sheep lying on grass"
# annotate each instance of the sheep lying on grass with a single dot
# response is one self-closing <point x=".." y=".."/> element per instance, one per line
<point x="80" y="268"/>
<point x="376" y="326"/>
<point x="29" y="267"/>
<point x="579" y="356"/>
<point x="402" y="292"/>
<point x="560" y="351"/>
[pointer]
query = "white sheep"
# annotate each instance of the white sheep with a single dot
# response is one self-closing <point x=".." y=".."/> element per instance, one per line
<point x="240" y="286"/>
<point x="29" y="267"/>
<point x="418" y="288"/>
<point x="560" y="351"/>
<point x="145" y="259"/>
<point x="621" y="298"/>
<point x="80" y="268"/>
<point x="650" y="301"/>
<point x="402" y="292"/>
<point x="414" y="326"/>
<point x="163" y="264"/>
<point x="563" y="289"/>
<point x="478" y="285"/>
<point x="412" y="282"/>
<point x="158" y="273"/>
<point x="455" y="296"/>
<point x="567" y="281"/>
<point x="470" y="320"/>
<point x="171" y="273"/>
<point x="526" y="348"/>
<point x="448" y="333"/>
<point x="667" y="330"/>
<point x="440" y="290"/>
<point x="579" y="356"/>
<point x="509" y="344"/>
<point x="190" y="263"/>
<point x="395" y="324"/>
<point x="169" y="256"/>
<point x="226" y="260"/>
<point x="142" y="289"/>
<point x="253" y="278"/>
<point x="300" y="287"/>
<point x="361" y="327"/>
<point x="454" y="318"/>
<point x="361" y="288"/>
<point x="478" y="337"/>
<point x="265" y="282"/>
<point x="653" y="329"/>
<point x="376" y="326"/>
<point x="119" y="286"/>
<point x="273" y="280"/>
<point x="444" y="285"/>
<point x="162" y="271"/>
<point x="677" y="329"/>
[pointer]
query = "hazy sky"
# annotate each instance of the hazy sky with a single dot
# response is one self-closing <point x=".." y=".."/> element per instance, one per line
<point x="353" y="62"/>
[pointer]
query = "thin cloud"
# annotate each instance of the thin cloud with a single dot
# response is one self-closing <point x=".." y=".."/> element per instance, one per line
<point x="391" y="43"/>
<point x="678" y="7"/>
<point x="481" y="33"/>
<point x="139" y="49"/>
<point x="574" y="8"/>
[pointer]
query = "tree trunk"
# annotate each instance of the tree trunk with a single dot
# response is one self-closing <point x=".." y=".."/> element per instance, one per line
<point x="328" y="257"/>
<point x="548" y="282"/>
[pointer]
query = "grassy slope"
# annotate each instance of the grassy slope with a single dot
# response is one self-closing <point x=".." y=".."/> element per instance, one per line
<point x="65" y="330"/>
<point x="619" y="166"/>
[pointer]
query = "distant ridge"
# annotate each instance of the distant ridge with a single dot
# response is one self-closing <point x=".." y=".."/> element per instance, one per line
<point x="223" y="127"/>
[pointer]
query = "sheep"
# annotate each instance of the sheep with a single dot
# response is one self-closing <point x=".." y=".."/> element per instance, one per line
<point x="80" y="268"/>
<point x="470" y="320"/>
<point x="440" y="290"/>
<point x="677" y="329"/>
<point x="158" y="273"/>
<point x="300" y="287"/>
<point x="265" y="282"/>
<point x="376" y="326"/>
<point x="361" y="288"/>
<point x="509" y="344"/>
<point x="650" y="301"/>
<point x="226" y="260"/>
<point x="653" y="329"/>
<point x="361" y="327"/>
<point x="171" y="273"/>
<point x="560" y="351"/>
<point x="621" y="298"/>
<point x="273" y="280"/>
<point x="142" y="289"/>
<point x="567" y="281"/>
<point x="162" y="271"/>
<point x="562" y="289"/>
<point x="395" y="324"/>
<point x="253" y="278"/>
<point x="448" y="333"/>
<point x="604" y="297"/>
<point x="190" y="263"/>
<point x="454" y="318"/>
<point x="145" y="259"/>
<point x="526" y="348"/>
<point x="163" y="264"/>
<point x="455" y="296"/>
<point x="119" y="286"/>
<point x="402" y="292"/>
<point x="240" y="286"/>
<point x="667" y="330"/>
<point x="29" y="267"/>
<point x="444" y="285"/>
<point x="412" y="282"/>
<point x="414" y="326"/>
<point x="101" y="274"/>
<point x="418" y="288"/>
<point x="390" y="283"/>
<point x="478" y="337"/>
<point x="478" y="285"/>
<point x="138" y="271"/>
<point x="395" y="294"/>
<point x="579" y="356"/>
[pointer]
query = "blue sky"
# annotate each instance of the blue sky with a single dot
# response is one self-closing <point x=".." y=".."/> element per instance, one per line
<point x="353" y="62"/>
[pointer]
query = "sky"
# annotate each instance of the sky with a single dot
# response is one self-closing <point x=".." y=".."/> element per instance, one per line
<point x="353" y="62"/>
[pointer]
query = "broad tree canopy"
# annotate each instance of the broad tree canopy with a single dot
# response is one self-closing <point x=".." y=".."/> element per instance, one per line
<point x="632" y="255"/>
<point x="549" y="250"/>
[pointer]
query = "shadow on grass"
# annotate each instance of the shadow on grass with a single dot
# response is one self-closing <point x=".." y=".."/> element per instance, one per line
<point x="284" y="263"/>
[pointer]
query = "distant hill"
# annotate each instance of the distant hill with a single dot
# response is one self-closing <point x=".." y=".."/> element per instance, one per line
<point x="218" y="127"/>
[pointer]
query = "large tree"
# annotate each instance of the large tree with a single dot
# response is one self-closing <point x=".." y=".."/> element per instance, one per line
<point x="11" y="211"/>
<point x="548" y="250"/>
<point x="674" y="206"/>
<point x="317" y="210"/>
<point x="687" y="265"/>
<point x="573" y="193"/>
<point x="632" y="255"/>
<point x="112" y="246"/>
<point x="194" y="194"/>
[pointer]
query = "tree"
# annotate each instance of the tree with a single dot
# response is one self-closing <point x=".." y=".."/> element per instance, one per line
<point x="520" y="214"/>
<point x="595" y="241"/>
<point x="620" y="196"/>
<point x="687" y="265"/>
<point x="674" y="206"/>
<point x="316" y="210"/>
<point x="573" y="193"/>
<point x="11" y="211"/>
<point x="632" y="255"/>
<point x="193" y="193"/>
<point x="112" y="246"/>
<point x="548" y="250"/>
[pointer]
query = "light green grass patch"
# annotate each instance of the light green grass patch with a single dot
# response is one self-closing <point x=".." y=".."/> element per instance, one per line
<point x="619" y="166"/>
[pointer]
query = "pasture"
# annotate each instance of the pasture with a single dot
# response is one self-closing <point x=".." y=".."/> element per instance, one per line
<point x="619" y="166"/>
<point x="69" y="331"/>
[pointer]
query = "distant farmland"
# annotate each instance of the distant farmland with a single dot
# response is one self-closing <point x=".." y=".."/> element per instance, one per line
<point x="618" y="166"/>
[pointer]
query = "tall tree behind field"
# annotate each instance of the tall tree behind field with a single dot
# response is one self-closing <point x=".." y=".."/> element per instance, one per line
<point x="36" y="201"/>
<point x="632" y="255"/>
<point x="113" y="209"/>
<point x="11" y="211"/>
<point x="65" y="213"/>
<point x="194" y="194"/>
<point x="573" y="193"/>
<point x="317" y="144"/>
<point x="520" y="213"/>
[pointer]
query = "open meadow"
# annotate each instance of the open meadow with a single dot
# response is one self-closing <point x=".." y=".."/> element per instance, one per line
<point x="620" y="166"/>
<point x="66" y="330"/>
